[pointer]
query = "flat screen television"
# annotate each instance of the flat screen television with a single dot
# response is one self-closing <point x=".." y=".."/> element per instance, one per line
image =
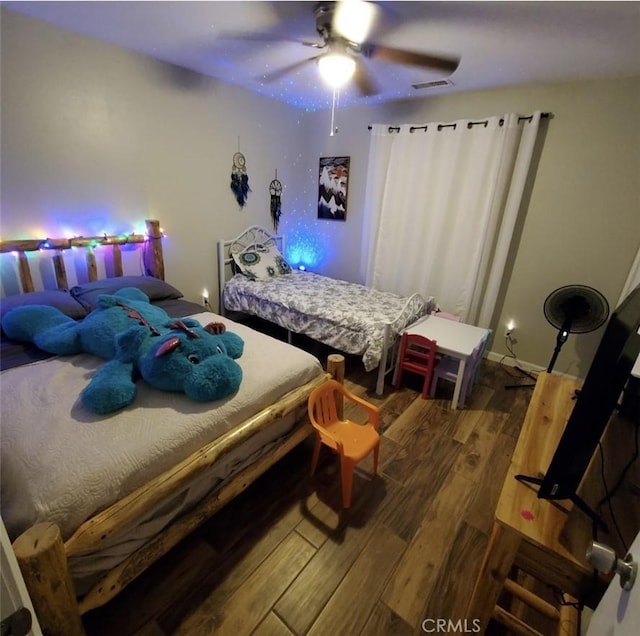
<point x="601" y="393"/>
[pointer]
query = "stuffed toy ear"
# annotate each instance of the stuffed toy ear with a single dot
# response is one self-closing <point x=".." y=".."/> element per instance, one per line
<point x="128" y="343"/>
<point x="233" y="343"/>
<point x="215" y="328"/>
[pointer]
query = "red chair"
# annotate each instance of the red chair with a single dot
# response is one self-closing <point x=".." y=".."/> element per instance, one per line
<point x="352" y="441"/>
<point x="417" y="355"/>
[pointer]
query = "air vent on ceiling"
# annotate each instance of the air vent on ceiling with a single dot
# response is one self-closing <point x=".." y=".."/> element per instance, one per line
<point x="434" y="84"/>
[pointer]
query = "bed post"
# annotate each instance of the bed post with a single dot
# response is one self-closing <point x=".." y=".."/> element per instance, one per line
<point x="382" y="367"/>
<point x="25" y="273"/>
<point x="60" y="270"/>
<point x="40" y="555"/>
<point x="154" y="261"/>
<point x="116" y="254"/>
<point x="335" y="366"/>
<point x="221" y="276"/>
<point x="92" y="268"/>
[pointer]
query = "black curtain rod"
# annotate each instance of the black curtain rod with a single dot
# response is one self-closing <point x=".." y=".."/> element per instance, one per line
<point x="471" y="124"/>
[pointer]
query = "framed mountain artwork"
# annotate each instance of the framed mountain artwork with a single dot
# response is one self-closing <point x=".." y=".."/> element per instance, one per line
<point x="333" y="186"/>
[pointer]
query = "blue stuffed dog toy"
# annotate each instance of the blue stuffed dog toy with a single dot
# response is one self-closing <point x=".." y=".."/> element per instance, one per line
<point x="136" y="338"/>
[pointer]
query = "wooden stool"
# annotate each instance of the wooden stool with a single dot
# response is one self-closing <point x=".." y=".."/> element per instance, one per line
<point x="565" y="615"/>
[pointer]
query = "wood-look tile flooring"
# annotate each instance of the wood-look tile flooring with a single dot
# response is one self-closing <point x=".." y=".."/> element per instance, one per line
<point x="283" y="558"/>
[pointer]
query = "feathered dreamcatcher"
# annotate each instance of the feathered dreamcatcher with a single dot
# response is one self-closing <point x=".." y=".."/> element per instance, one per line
<point x="239" y="179"/>
<point x="275" y="190"/>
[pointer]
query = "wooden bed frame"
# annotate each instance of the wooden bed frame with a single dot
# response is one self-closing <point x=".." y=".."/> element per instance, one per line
<point x="256" y="236"/>
<point x="42" y="554"/>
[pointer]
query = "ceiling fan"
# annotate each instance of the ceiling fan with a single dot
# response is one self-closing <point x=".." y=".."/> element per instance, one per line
<point x="344" y="27"/>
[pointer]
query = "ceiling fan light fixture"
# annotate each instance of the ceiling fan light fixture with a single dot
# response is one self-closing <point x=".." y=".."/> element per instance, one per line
<point x="336" y="68"/>
<point x="354" y="19"/>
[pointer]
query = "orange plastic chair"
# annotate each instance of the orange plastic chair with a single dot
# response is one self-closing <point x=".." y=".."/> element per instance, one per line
<point x="418" y="355"/>
<point x="352" y="441"/>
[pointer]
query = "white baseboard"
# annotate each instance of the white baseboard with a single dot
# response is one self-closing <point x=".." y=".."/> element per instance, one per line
<point x="513" y="362"/>
<point x="510" y="361"/>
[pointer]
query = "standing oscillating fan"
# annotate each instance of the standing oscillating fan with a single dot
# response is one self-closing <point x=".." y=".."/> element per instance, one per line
<point x="574" y="309"/>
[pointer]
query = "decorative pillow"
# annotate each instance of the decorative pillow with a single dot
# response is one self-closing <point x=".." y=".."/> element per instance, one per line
<point x="262" y="263"/>
<point x="59" y="298"/>
<point x="154" y="288"/>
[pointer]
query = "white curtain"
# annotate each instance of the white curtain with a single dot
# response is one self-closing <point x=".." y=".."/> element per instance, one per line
<point x="441" y="205"/>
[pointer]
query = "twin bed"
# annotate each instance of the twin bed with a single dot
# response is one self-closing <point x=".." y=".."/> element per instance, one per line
<point x="254" y="279"/>
<point x="91" y="501"/>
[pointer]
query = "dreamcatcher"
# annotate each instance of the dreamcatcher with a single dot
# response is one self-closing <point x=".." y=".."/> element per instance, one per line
<point x="239" y="179"/>
<point x="275" y="190"/>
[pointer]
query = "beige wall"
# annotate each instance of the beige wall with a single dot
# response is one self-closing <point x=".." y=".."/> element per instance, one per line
<point x="92" y="132"/>
<point x="583" y="221"/>
<point x="94" y="136"/>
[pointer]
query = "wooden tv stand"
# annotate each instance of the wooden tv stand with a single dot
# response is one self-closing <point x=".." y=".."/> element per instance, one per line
<point x="547" y="539"/>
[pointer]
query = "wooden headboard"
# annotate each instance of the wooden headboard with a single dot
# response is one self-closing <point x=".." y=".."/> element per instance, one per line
<point x="153" y="259"/>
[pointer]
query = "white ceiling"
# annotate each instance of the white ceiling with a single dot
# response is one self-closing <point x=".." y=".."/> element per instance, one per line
<point x="499" y="43"/>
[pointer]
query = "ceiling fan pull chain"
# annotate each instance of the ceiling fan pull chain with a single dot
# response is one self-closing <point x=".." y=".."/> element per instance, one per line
<point x="334" y="128"/>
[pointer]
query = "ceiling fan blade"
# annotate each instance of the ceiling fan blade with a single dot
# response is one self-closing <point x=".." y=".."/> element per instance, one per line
<point x="268" y="37"/>
<point x="412" y="58"/>
<point x="285" y="70"/>
<point x="364" y="81"/>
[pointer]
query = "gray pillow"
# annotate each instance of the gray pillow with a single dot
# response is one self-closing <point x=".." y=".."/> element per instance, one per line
<point x="156" y="289"/>
<point x="59" y="298"/>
